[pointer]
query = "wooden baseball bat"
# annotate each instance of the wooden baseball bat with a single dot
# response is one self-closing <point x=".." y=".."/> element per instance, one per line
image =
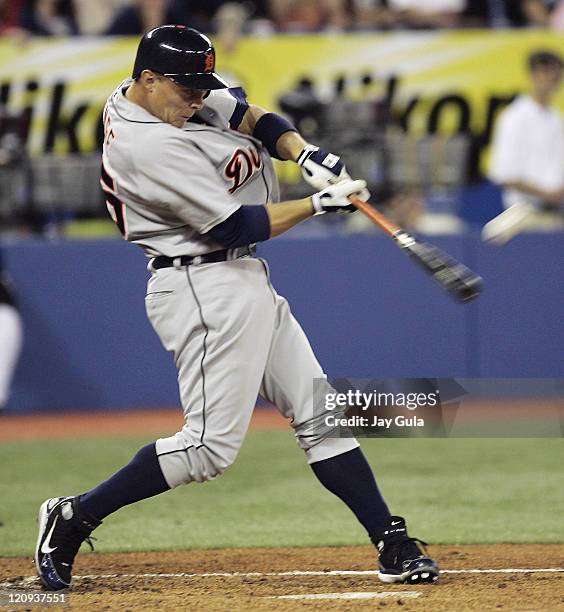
<point x="458" y="280"/>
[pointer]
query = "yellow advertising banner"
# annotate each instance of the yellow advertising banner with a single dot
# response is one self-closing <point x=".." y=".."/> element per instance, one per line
<point x="444" y="81"/>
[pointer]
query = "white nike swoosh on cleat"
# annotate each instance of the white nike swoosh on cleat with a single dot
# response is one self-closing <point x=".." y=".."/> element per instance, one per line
<point x="393" y="524"/>
<point x="45" y="547"/>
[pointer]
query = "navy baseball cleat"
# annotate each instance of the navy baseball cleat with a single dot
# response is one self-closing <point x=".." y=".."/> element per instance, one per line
<point x="62" y="529"/>
<point x="402" y="559"/>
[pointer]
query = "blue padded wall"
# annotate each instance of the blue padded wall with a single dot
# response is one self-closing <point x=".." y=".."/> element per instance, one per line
<point x="368" y="311"/>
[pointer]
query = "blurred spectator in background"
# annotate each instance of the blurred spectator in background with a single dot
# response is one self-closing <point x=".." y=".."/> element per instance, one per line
<point x="49" y="18"/>
<point x="10" y="12"/>
<point x="143" y="15"/>
<point x="10" y="335"/>
<point x="309" y="15"/>
<point x="544" y="13"/>
<point x="493" y="13"/>
<point x="199" y="14"/>
<point x="373" y="14"/>
<point x="556" y="20"/>
<point x="512" y="13"/>
<point x="528" y="152"/>
<point x="95" y="16"/>
<point x="228" y="24"/>
<point x="231" y="18"/>
<point x="412" y="14"/>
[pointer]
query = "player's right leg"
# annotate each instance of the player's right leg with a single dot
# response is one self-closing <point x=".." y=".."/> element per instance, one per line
<point x="337" y="462"/>
<point x="217" y="320"/>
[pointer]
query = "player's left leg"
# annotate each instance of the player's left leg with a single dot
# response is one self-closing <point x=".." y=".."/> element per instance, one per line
<point x="217" y="320"/>
<point x="338" y="463"/>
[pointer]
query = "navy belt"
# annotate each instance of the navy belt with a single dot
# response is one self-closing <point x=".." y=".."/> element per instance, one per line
<point x="187" y="260"/>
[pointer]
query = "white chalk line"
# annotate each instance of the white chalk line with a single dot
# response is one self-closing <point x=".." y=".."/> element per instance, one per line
<point x="353" y="595"/>
<point x="32" y="579"/>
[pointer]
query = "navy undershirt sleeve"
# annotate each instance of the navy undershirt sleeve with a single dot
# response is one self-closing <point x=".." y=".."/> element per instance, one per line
<point x="247" y="225"/>
<point x="241" y="106"/>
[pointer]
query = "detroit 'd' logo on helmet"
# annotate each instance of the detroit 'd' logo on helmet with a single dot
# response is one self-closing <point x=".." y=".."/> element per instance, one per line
<point x="209" y="62"/>
<point x="241" y="167"/>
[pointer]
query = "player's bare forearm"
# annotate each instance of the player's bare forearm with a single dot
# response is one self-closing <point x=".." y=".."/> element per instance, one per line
<point x="250" y="118"/>
<point x="289" y="145"/>
<point x="285" y="215"/>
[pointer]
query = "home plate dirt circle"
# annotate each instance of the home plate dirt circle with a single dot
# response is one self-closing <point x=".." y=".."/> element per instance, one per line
<point x="475" y="577"/>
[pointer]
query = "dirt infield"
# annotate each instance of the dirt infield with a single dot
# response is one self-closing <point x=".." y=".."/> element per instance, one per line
<point x="113" y="424"/>
<point x="166" y="421"/>
<point x="257" y="579"/>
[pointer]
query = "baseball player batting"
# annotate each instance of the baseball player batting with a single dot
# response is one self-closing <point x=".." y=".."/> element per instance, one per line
<point x="188" y="176"/>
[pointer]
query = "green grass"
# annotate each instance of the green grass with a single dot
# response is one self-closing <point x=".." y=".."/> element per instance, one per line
<point x="451" y="490"/>
<point x="91" y="228"/>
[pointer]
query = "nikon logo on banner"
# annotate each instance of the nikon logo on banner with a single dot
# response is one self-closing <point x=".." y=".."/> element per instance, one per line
<point x="444" y="82"/>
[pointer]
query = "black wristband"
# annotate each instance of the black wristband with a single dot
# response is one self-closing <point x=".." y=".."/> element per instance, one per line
<point x="268" y="130"/>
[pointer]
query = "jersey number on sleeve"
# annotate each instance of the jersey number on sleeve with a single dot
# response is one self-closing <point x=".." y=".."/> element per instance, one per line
<point x="116" y="207"/>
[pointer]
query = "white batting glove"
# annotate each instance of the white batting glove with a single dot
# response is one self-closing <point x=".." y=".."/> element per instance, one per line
<point x="322" y="169"/>
<point x="336" y="197"/>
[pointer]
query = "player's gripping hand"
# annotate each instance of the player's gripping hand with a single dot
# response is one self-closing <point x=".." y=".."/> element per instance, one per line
<point x="322" y="169"/>
<point x="336" y="197"/>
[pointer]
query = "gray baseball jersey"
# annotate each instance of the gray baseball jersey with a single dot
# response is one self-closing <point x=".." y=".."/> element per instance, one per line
<point x="232" y="336"/>
<point x="203" y="173"/>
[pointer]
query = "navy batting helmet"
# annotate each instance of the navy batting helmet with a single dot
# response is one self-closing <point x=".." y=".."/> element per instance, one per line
<point x="182" y="54"/>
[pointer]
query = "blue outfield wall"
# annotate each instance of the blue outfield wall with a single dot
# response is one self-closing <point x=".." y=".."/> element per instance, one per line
<point x="368" y="311"/>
